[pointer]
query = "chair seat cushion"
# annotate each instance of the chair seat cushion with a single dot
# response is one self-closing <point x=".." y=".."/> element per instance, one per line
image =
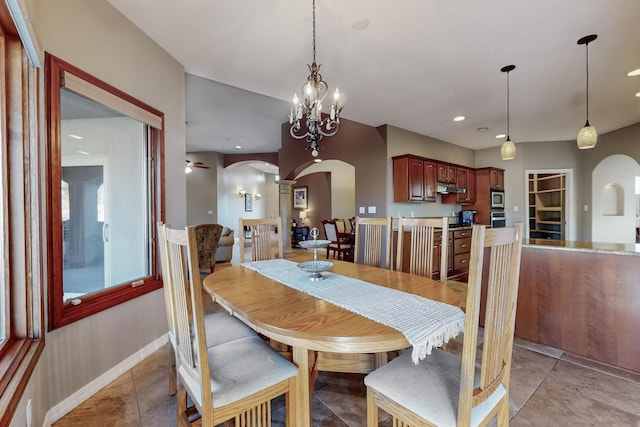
<point x="430" y="389"/>
<point x="222" y="327"/>
<point x="239" y="369"/>
<point x="341" y="246"/>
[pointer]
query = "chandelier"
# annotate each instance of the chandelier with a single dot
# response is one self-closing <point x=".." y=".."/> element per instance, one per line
<point x="309" y="108"/>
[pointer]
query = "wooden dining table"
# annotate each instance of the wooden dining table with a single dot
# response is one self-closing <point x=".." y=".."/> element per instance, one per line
<point x="309" y="324"/>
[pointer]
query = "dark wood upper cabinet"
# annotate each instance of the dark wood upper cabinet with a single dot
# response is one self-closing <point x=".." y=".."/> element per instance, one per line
<point x="414" y="179"/>
<point x="446" y="173"/>
<point x="496" y="179"/>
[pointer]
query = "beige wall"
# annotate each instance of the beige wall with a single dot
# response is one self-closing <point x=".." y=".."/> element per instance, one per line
<point x="561" y="155"/>
<point x="94" y="37"/>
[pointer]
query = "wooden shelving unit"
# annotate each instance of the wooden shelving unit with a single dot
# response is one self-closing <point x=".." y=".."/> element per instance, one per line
<point x="546" y="206"/>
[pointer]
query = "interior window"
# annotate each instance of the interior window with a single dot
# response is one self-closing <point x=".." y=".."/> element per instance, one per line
<point x="104" y="157"/>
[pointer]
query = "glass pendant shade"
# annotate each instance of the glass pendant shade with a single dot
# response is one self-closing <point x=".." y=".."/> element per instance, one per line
<point x="587" y="137"/>
<point x="508" y="150"/>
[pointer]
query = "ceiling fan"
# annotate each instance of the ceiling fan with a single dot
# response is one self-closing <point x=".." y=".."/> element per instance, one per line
<point x="189" y="165"/>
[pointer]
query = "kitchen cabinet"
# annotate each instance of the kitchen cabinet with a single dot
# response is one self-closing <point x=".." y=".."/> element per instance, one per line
<point x="414" y="179"/>
<point x="437" y="253"/>
<point x="486" y="179"/>
<point x="496" y="179"/>
<point x="461" y="252"/>
<point x="465" y="179"/>
<point x="446" y="173"/>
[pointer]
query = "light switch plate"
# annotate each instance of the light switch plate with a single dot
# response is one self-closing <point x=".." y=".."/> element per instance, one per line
<point x="372" y="209"/>
<point x="361" y="209"/>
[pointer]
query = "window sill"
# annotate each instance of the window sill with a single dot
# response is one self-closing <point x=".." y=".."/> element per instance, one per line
<point x="18" y="361"/>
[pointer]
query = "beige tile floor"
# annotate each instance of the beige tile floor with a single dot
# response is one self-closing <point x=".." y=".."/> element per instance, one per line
<point x="548" y="388"/>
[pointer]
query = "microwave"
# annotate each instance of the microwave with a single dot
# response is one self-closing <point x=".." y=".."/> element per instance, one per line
<point x="497" y="199"/>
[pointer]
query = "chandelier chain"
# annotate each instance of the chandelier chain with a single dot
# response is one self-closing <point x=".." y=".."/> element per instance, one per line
<point x="314" y="31"/>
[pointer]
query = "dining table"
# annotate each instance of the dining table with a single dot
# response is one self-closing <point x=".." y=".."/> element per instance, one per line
<point x="309" y="324"/>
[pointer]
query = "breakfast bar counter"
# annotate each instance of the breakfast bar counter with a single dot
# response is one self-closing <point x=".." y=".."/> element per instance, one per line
<point x="583" y="298"/>
<point x="598" y="247"/>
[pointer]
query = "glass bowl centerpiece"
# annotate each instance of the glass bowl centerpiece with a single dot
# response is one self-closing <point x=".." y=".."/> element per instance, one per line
<point x="315" y="267"/>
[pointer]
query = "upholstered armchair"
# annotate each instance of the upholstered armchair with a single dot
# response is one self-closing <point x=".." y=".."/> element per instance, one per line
<point x="225" y="246"/>
<point x="207" y="239"/>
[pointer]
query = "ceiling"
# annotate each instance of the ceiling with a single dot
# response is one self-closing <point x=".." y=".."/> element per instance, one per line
<point x="417" y="65"/>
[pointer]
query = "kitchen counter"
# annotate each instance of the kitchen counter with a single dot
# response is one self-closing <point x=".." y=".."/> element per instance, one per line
<point x="583" y="298"/>
<point x="604" y="248"/>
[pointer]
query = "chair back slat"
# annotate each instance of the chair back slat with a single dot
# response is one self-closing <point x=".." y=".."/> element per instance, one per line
<point x="373" y="241"/>
<point x="503" y="246"/>
<point x="422" y="245"/>
<point x="266" y="238"/>
<point x="165" y="265"/>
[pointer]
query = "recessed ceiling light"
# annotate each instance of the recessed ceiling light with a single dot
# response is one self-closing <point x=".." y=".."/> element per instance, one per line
<point x="83" y="153"/>
<point x="482" y="129"/>
<point x="634" y="73"/>
<point x="361" y="24"/>
<point x="459" y="118"/>
<point x="75" y="136"/>
<point x="317" y="160"/>
<point x="638" y="94"/>
<point x="502" y="135"/>
<point x="238" y="147"/>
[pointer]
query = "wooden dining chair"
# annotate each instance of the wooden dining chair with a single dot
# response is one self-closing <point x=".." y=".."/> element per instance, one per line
<point x="234" y="381"/>
<point x="221" y="327"/>
<point x="449" y="390"/>
<point x="265" y="236"/>
<point x="340" y="225"/>
<point x="373" y="238"/>
<point x="424" y="249"/>
<point x="340" y="242"/>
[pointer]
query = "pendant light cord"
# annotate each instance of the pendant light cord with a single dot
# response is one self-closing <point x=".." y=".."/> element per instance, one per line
<point x="587" y="47"/>
<point x="508" y="134"/>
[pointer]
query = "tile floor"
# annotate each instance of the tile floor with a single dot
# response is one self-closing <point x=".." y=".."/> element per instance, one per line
<point x="548" y="388"/>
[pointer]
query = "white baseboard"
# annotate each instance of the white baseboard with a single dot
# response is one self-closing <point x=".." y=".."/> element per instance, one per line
<point x="71" y="402"/>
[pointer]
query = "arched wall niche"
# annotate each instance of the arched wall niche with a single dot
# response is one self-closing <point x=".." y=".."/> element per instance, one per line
<point x="613" y="213"/>
<point x="612" y="200"/>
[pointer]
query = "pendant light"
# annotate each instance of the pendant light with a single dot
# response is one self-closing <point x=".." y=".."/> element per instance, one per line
<point x="588" y="136"/>
<point x="508" y="149"/>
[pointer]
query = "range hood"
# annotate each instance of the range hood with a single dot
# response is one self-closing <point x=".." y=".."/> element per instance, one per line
<point x="449" y="189"/>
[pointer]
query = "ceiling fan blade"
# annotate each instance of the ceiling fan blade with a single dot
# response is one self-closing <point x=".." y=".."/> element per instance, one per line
<point x="200" y="165"/>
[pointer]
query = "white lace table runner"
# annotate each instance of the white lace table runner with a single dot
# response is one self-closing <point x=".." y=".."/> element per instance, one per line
<point x="425" y="323"/>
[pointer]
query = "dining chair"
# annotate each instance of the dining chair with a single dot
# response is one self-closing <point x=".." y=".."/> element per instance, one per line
<point x="232" y="381"/>
<point x="452" y="390"/>
<point x="265" y="236"/>
<point x="207" y="238"/>
<point x="340" y="242"/>
<point x="221" y="327"/>
<point x="373" y="238"/>
<point x="424" y="250"/>
<point x="340" y="225"/>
